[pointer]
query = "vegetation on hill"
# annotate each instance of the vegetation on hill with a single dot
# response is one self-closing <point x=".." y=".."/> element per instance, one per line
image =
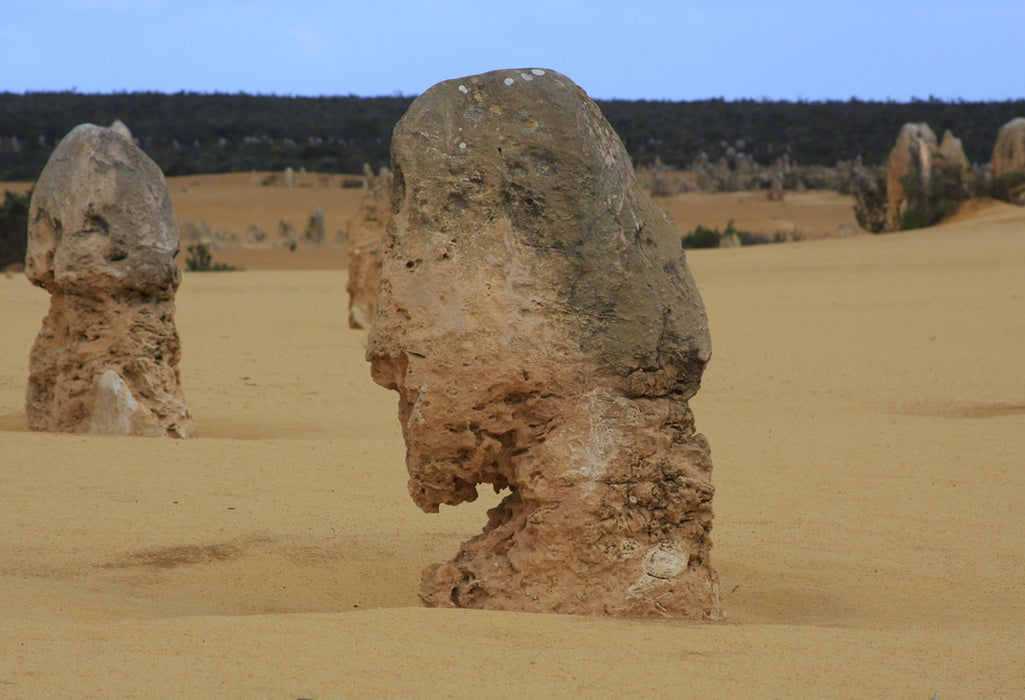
<point x="13" y="228"/>
<point x="931" y="204"/>
<point x="811" y="133"/>
<point x="199" y="259"/>
<point x="1009" y="187"/>
<point x="189" y="133"/>
<point x="708" y="237"/>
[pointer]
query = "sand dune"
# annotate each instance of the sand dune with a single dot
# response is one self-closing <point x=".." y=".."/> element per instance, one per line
<point x="866" y="410"/>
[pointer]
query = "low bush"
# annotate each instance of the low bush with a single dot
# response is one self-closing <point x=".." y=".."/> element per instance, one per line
<point x="927" y="206"/>
<point x="750" y="238"/>
<point x="13" y="228"/>
<point x="200" y="260"/>
<point x="704" y="237"/>
<point x="921" y="217"/>
<point x="1009" y="187"/>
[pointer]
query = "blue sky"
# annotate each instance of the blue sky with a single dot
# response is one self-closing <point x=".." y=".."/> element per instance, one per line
<point x="640" y="49"/>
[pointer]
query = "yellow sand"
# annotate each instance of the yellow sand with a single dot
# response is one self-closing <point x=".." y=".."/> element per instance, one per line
<point x="866" y="410"/>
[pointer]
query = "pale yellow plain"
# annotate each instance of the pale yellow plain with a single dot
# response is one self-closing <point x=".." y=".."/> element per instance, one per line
<point x="866" y="410"/>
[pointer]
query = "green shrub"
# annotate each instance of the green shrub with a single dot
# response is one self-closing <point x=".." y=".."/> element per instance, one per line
<point x="702" y="237"/>
<point x="921" y="217"/>
<point x="749" y="238"/>
<point x="200" y="260"/>
<point x="927" y="206"/>
<point x="1008" y="187"/>
<point x="13" y="228"/>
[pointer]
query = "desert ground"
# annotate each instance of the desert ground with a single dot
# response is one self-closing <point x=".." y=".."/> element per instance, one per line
<point x="865" y="405"/>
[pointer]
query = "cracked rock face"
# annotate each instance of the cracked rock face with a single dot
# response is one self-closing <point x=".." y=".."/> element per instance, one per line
<point x="537" y="318"/>
<point x="102" y="239"/>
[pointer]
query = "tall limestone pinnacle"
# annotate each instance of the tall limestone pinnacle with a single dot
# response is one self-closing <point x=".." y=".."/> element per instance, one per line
<point x="538" y="320"/>
<point x="102" y="240"/>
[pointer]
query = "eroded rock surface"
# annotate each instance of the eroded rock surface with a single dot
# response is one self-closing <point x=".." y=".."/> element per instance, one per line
<point x="1007" y="166"/>
<point x="537" y="318"/>
<point x="365" y="246"/>
<point x="923" y="173"/>
<point x="954" y="167"/>
<point x="102" y="239"/>
<point x="1009" y="149"/>
<point x="910" y="161"/>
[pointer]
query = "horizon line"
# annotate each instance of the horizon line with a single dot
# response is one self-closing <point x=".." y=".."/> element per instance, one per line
<point x="403" y="95"/>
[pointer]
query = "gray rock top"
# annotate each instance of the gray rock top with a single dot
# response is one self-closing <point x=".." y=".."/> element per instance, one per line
<point x="528" y="147"/>
<point x="101" y="218"/>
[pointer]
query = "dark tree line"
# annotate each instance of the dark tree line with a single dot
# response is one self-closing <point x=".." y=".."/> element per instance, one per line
<point x="189" y="133"/>
<point x="13" y="229"/>
<point x="811" y="133"/>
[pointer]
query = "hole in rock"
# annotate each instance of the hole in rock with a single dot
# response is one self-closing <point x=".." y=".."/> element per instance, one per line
<point x="94" y="223"/>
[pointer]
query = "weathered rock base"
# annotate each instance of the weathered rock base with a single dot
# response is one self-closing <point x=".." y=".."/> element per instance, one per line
<point x="619" y="573"/>
<point x="632" y="538"/>
<point x="481" y="577"/>
<point x="88" y="358"/>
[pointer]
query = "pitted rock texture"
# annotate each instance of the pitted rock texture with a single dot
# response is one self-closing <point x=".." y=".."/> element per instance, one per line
<point x="537" y="318"/>
<point x="366" y="246"/>
<point x="102" y="239"/>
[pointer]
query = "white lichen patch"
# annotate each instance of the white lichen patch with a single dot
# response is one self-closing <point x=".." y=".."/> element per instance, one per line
<point x="537" y="71"/>
<point x="462" y="89"/>
<point x="415" y="416"/>
<point x="527" y="76"/>
<point x="644" y="586"/>
<point x="116" y="409"/>
<point x="509" y="81"/>
<point x="596" y="448"/>
<point x="462" y="145"/>
<point x="662" y="564"/>
<point x="665" y="561"/>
